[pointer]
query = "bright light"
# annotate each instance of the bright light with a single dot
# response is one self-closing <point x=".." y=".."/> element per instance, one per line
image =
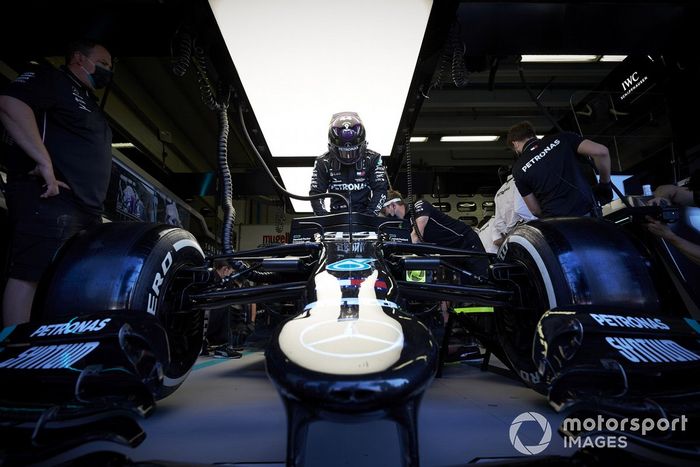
<point x="298" y="181"/>
<point x="559" y="58"/>
<point x="613" y="58"/>
<point x="301" y="62"/>
<point x="468" y="139"/>
<point x="123" y="145"/>
<point x="419" y="139"/>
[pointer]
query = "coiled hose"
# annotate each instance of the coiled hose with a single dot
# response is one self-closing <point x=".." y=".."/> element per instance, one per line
<point x="181" y="59"/>
<point x="460" y="75"/>
<point x="226" y="182"/>
<point x="444" y="64"/>
<point x="452" y="58"/>
<point x="205" y="88"/>
<point x="185" y="46"/>
<point x="409" y="186"/>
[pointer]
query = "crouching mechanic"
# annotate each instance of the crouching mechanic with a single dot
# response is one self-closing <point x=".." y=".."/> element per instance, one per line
<point x="434" y="226"/>
<point x="349" y="168"/>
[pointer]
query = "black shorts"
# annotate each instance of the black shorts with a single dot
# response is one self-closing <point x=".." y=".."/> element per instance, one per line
<point x="40" y="226"/>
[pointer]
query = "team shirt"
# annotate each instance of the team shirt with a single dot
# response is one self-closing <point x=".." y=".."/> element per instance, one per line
<point x="443" y="230"/>
<point x="548" y="169"/>
<point x="364" y="183"/>
<point x="73" y="128"/>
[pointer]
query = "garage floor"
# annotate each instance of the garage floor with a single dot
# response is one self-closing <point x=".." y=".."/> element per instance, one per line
<point x="227" y="411"/>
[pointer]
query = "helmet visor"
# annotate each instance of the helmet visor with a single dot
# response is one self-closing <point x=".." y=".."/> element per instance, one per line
<point x="349" y="155"/>
<point x="347" y="134"/>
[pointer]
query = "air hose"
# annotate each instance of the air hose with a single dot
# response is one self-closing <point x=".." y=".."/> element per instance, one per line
<point x="409" y="186"/>
<point x="186" y="45"/>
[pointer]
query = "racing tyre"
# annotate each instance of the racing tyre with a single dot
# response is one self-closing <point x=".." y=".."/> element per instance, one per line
<point x="569" y="261"/>
<point x="128" y="267"/>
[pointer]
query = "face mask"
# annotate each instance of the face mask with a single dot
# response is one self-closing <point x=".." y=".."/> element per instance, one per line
<point x="100" y="78"/>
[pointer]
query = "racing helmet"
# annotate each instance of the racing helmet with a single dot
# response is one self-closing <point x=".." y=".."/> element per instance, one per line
<point x="346" y="137"/>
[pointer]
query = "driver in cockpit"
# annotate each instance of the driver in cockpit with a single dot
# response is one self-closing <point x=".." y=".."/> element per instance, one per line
<point x="349" y="168"/>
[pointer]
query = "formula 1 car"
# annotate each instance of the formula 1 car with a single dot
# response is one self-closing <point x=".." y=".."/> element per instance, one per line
<point x="595" y="314"/>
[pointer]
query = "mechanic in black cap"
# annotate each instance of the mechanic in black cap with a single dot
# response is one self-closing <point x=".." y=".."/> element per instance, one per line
<point x="58" y="150"/>
<point x="547" y="174"/>
<point x="349" y="168"/>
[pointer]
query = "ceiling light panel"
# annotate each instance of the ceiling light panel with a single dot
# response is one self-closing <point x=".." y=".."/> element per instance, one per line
<point x="559" y="58"/>
<point x="468" y="139"/>
<point x="298" y="181"/>
<point x="613" y="58"/>
<point x="301" y="62"/>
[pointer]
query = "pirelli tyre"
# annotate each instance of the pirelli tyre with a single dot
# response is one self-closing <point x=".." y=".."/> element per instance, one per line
<point x="129" y="267"/>
<point x="569" y="261"/>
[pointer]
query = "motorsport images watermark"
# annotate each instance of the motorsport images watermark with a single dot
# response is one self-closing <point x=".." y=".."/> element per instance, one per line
<point x="595" y="426"/>
<point x="515" y="428"/>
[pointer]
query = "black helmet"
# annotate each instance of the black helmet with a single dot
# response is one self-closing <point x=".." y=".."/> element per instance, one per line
<point x="346" y="137"/>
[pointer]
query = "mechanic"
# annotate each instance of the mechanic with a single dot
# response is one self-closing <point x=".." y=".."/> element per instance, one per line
<point x="433" y="225"/>
<point x="437" y="227"/>
<point x="57" y="144"/>
<point x="215" y="332"/>
<point x="228" y="327"/>
<point x="688" y="195"/>
<point x="547" y="175"/>
<point x="510" y="208"/>
<point x="349" y="168"/>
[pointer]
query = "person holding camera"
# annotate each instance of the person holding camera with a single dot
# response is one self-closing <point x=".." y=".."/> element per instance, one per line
<point x="688" y="195"/>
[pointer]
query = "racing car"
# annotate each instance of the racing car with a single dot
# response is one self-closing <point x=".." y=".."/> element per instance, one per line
<point x="593" y="313"/>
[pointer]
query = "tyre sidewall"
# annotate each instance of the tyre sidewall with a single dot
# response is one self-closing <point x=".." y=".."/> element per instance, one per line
<point x="545" y="286"/>
<point x="155" y="294"/>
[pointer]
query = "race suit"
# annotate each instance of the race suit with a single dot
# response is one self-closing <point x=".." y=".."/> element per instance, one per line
<point x="364" y="183"/>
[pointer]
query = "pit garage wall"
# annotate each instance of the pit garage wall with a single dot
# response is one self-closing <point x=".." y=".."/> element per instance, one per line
<point x="253" y="236"/>
<point x="469" y="208"/>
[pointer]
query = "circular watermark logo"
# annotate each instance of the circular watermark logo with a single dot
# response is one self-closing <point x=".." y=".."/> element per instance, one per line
<point x="535" y="448"/>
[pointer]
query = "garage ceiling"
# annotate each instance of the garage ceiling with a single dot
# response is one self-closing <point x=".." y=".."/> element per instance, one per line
<point x="483" y="92"/>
